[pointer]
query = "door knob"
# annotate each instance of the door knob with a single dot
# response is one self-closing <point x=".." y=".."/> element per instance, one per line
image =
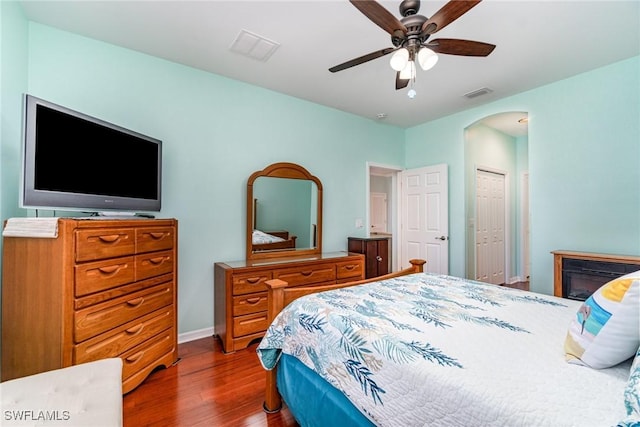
<point x="442" y="238"/>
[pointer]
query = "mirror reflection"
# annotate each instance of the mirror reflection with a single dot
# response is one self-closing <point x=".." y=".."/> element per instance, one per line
<point x="284" y="212"/>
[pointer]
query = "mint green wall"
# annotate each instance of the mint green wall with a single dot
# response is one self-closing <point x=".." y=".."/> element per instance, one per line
<point x="583" y="155"/>
<point x="215" y="132"/>
<point x="13" y="82"/>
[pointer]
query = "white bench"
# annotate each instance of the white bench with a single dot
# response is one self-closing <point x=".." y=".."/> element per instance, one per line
<point x="89" y="394"/>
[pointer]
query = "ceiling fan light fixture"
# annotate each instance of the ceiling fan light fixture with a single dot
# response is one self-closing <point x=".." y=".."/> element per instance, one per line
<point x="399" y="59"/>
<point x="427" y="58"/>
<point x="409" y="71"/>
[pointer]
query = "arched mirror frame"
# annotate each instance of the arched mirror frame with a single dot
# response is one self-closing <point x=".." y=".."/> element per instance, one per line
<point x="291" y="171"/>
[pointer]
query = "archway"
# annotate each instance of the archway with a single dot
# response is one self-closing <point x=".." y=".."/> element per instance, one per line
<point x="497" y="144"/>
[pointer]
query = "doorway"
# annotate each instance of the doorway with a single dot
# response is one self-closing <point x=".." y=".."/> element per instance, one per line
<point x="498" y="143"/>
<point x="382" y="206"/>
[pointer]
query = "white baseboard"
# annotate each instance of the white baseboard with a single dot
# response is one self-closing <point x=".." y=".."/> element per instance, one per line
<point x="195" y="335"/>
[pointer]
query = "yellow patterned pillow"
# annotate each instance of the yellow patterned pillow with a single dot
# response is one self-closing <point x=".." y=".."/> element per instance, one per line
<point x="606" y="328"/>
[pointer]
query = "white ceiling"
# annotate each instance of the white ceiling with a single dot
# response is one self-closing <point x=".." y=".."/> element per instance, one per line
<point x="538" y="42"/>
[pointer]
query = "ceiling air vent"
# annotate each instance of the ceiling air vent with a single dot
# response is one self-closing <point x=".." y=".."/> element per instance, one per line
<point x="478" y="92"/>
<point x="253" y="46"/>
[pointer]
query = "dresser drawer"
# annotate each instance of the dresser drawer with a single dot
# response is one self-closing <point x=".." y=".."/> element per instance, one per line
<point x="247" y="304"/>
<point x="102" y="317"/>
<point x="307" y="275"/>
<point x="100" y="275"/>
<point x="147" y="353"/>
<point x="154" y="264"/>
<point x="350" y="269"/>
<point x="250" y="282"/>
<point x="154" y="239"/>
<point x="104" y="243"/>
<point x="121" y="339"/>
<point x="250" y="324"/>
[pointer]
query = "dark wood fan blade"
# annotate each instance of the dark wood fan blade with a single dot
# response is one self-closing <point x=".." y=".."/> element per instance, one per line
<point x="362" y="59"/>
<point x="460" y="47"/>
<point x="446" y="15"/>
<point x="401" y="83"/>
<point x="379" y="16"/>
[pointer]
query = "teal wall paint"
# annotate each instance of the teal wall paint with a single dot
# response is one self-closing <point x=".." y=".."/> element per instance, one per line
<point x="13" y="83"/>
<point x="583" y="152"/>
<point x="216" y="132"/>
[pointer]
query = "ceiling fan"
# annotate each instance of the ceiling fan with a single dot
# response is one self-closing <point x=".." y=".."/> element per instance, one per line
<point x="409" y="37"/>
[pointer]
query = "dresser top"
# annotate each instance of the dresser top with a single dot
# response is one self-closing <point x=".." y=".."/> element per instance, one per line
<point x="325" y="256"/>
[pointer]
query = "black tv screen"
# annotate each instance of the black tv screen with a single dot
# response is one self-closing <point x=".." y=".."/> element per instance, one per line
<point x="75" y="161"/>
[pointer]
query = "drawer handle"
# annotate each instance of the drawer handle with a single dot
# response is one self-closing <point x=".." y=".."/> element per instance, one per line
<point x="157" y="235"/>
<point x="254" y="300"/>
<point x="136" y="302"/>
<point x="157" y="260"/>
<point x="257" y="319"/>
<point x="135" y="357"/>
<point x="110" y="270"/>
<point x="134" y="330"/>
<point x="109" y="238"/>
<point x="349" y="267"/>
<point x="306" y="273"/>
<point x="253" y="280"/>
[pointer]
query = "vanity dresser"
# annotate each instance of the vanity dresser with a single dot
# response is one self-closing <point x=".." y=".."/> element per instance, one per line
<point x="100" y="288"/>
<point x="283" y="196"/>
<point x="241" y="295"/>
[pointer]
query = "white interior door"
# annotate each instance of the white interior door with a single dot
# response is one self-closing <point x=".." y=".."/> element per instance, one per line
<point x="378" y="204"/>
<point x="490" y="227"/>
<point x="425" y="217"/>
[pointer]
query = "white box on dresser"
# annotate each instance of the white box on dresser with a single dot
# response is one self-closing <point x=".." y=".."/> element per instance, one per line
<point x="100" y="289"/>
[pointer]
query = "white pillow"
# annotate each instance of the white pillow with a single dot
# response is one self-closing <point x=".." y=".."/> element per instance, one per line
<point x="606" y="328"/>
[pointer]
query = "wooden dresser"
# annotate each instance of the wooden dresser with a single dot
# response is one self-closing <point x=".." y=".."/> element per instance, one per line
<point x="240" y="295"/>
<point x="103" y="288"/>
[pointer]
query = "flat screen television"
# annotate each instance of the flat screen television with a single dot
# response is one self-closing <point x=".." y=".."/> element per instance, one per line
<point x="77" y="162"/>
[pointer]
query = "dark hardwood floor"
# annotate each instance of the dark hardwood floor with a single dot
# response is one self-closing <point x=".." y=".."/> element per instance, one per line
<point x="205" y="388"/>
<point x="208" y="388"/>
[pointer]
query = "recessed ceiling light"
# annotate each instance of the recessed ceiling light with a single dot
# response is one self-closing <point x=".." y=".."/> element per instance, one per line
<point x="381" y="116"/>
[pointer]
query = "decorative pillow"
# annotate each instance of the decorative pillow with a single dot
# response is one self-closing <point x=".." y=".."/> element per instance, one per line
<point x="632" y="392"/>
<point x="606" y="328"/>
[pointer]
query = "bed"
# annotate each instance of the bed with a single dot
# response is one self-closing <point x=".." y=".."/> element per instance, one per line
<point x="272" y="240"/>
<point x="423" y="349"/>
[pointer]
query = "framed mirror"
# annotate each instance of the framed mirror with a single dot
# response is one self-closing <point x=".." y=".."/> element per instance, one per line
<point x="284" y="212"/>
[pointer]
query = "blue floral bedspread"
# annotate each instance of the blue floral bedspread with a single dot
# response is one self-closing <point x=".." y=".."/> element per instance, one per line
<point x="393" y="347"/>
